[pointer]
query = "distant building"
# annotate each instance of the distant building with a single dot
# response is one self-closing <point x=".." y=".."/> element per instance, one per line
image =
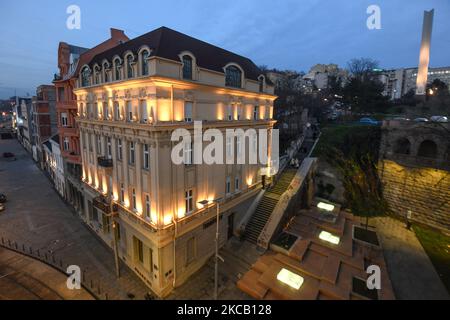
<point x="22" y="109"/>
<point x="398" y="82"/>
<point x="319" y="75"/>
<point x="53" y="163"/>
<point x="43" y="119"/>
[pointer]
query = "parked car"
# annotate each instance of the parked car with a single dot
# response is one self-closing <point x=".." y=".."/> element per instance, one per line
<point x="8" y="154"/>
<point x="400" y="119"/>
<point x="421" y="120"/>
<point x="368" y="121"/>
<point x="2" y="198"/>
<point x="439" y="119"/>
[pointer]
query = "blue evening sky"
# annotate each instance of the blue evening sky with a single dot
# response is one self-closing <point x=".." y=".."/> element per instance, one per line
<point x="284" y="34"/>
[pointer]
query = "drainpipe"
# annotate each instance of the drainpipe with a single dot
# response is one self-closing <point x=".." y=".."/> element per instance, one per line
<point x="174" y="253"/>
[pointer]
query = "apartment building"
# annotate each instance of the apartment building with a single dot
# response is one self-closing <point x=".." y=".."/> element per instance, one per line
<point x="130" y="100"/>
<point x="43" y="119"/>
<point x="70" y="60"/>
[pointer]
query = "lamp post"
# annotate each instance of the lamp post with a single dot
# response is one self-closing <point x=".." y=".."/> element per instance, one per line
<point x="216" y="257"/>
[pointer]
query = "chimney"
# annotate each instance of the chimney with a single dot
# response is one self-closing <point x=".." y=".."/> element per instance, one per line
<point x="119" y="35"/>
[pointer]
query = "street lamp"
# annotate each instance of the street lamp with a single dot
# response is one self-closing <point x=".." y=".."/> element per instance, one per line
<point x="217" y="257"/>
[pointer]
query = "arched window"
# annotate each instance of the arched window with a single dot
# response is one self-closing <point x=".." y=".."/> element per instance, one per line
<point x="117" y="69"/>
<point x="105" y="72"/>
<point x="96" y="75"/>
<point x="427" y="149"/>
<point x="233" y="77"/>
<point x="402" y="146"/>
<point x="130" y="66"/>
<point x="144" y="62"/>
<point x="187" y="67"/>
<point x="85" y="74"/>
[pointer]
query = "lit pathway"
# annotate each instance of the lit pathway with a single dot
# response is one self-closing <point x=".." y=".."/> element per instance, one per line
<point x="411" y="272"/>
<point x="37" y="217"/>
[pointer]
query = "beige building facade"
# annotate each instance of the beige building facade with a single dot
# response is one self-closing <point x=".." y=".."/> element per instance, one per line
<point x="130" y="100"/>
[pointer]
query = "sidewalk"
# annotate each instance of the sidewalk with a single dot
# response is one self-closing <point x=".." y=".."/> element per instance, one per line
<point x="411" y="271"/>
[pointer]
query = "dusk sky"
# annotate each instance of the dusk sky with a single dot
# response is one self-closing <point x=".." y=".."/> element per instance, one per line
<point x="280" y="34"/>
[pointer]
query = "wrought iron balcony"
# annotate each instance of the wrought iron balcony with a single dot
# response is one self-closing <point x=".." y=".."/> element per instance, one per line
<point x="104" y="205"/>
<point x="104" y="162"/>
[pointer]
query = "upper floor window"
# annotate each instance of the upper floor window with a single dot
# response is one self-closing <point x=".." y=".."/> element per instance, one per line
<point x="117" y="69"/>
<point x="147" y="207"/>
<point x="189" y="201"/>
<point x="188" y="111"/>
<point x="233" y="77"/>
<point x="108" y="147"/>
<point x="132" y="154"/>
<point x="119" y="149"/>
<point x="255" y="112"/>
<point x="96" y="75"/>
<point x="144" y="62"/>
<point x="129" y="111"/>
<point x="122" y="192"/>
<point x="146" y="156"/>
<point x="99" y="145"/>
<point x="64" y="120"/>
<point x="105" y="72"/>
<point x="187" y="67"/>
<point x="66" y="144"/>
<point x="85" y="74"/>
<point x="130" y="66"/>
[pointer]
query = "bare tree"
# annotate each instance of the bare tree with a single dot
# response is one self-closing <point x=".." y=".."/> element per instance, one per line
<point x="362" y="67"/>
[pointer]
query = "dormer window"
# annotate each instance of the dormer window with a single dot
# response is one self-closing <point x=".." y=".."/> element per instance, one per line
<point x="130" y="66"/>
<point x="187" y="67"/>
<point x="117" y="69"/>
<point x="96" y="75"/>
<point x="233" y="77"/>
<point x="144" y="62"/>
<point x="85" y="75"/>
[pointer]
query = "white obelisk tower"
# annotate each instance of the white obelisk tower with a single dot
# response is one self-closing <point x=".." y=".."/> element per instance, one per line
<point x="424" y="59"/>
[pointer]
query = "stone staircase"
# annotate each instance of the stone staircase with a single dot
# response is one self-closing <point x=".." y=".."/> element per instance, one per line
<point x="267" y="204"/>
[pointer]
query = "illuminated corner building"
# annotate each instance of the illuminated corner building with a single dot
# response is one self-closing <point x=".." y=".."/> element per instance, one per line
<point x="130" y="100"/>
<point x="70" y="59"/>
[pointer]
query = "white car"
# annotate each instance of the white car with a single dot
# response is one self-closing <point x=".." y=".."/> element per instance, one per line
<point x="421" y="120"/>
<point x="439" y="119"/>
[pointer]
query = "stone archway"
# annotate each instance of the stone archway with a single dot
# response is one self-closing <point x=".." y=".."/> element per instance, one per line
<point x="427" y="149"/>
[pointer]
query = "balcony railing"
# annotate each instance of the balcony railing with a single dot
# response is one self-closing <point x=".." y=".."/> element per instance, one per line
<point x="104" y="205"/>
<point x="104" y="162"/>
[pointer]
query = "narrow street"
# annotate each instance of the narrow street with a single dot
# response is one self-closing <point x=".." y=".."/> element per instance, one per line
<point x="37" y="217"/>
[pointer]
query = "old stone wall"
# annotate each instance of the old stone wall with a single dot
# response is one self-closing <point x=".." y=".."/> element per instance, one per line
<point x="424" y="191"/>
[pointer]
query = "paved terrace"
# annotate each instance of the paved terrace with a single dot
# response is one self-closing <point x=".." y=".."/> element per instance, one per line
<point x="327" y="269"/>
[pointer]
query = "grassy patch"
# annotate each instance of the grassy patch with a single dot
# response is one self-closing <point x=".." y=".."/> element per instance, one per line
<point x="437" y="247"/>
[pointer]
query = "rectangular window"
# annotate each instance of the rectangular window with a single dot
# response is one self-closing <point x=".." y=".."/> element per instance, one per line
<point x="64" y="120"/>
<point x="230" y="113"/>
<point x="122" y="193"/>
<point x="150" y="258"/>
<point x="147" y="207"/>
<point x="146" y="156"/>
<point x="143" y="110"/>
<point x="239" y="146"/>
<point x="132" y="153"/>
<point x="99" y="145"/>
<point x="139" y="250"/>
<point x="237" y="184"/>
<point x="255" y="112"/>
<point x="229" y="147"/>
<point x="133" y="198"/>
<point x="228" y="186"/>
<point x="188" y="111"/>
<point x="116" y="110"/>
<point x="119" y="149"/>
<point x="66" y="144"/>
<point x="189" y="202"/>
<point x="129" y="111"/>
<point x="108" y="143"/>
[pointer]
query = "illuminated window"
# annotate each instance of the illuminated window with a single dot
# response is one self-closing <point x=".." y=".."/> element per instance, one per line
<point x="233" y="77"/>
<point x="325" y="206"/>
<point x="187" y="67"/>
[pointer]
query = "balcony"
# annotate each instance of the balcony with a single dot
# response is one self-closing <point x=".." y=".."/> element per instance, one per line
<point x="104" y="162"/>
<point x="104" y="205"/>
